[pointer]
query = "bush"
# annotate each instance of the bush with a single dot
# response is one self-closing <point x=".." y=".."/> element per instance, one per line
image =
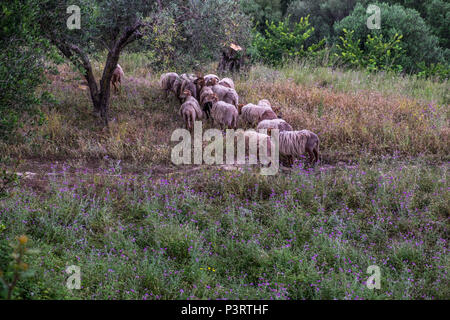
<point x="261" y="11"/>
<point x="437" y="70"/>
<point x="323" y="14"/>
<point x="15" y="266"/>
<point x="436" y="14"/>
<point x="279" y="42"/>
<point x="376" y="54"/>
<point x="418" y="42"/>
<point x="21" y="63"/>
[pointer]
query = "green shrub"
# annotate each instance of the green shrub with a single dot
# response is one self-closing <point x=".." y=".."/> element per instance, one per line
<point x="261" y="11"/>
<point x="418" y="41"/>
<point x="16" y="266"/>
<point x="323" y="14"/>
<point x="437" y="70"/>
<point x="280" y="42"/>
<point x="436" y="14"/>
<point x="376" y="54"/>
<point x="21" y="63"/>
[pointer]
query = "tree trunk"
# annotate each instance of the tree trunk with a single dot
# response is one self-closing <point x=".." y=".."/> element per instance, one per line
<point x="100" y="98"/>
<point x="231" y="60"/>
<point x="100" y="95"/>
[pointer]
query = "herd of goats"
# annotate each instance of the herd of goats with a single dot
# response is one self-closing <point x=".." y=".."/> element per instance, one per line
<point x="209" y="97"/>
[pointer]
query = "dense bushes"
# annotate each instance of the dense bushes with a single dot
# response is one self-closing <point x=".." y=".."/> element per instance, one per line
<point x="206" y="27"/>
<point x="280" y="42"/>
<point x="21" y="63"/>
<point x="261" y="11"/>
<point x="378" y="54"/>
<point x="418" y="42"/>
<point x="436" y="14"/>
<point x="421" y="29"/>
<point x="323" y="14"/>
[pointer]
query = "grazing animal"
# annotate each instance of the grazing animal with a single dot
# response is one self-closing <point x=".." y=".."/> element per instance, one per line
<point x="225" y="94"/>
<point x="294" y="144"/>
<point x="188" y="76"/>
<point x="279" y="124"/>
<point x="117" y="77"/>
<point x="188" y="85"/>
<point x="266" y="103"/>
<point x="223" y="113"/>
<point x="190" y="110"/>
<point x="206" y="100"/>
<point x="208" y="78"/>
<point x="253" y="114"/>
<point x="231" y="97"/>
<point x="176" y="88"/>
<point x="261" y="139"/>
<point x="227" y="82"/>
<point x="167" y="81"/>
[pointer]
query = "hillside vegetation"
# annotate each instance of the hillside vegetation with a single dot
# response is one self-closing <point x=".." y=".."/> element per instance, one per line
<point x="109" y="201"/>
<point x="86" y="177"/>
<point x="355" y="114"/>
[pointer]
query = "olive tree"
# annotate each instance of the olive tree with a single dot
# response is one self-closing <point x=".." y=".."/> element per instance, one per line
<point x="112" y="25"/>
<point x="194" y="33"/>
<point x="105" y="24"/>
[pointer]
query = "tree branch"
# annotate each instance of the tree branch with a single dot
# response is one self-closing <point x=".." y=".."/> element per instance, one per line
<point x="129" y="33"/>
<point x="70" y="50"/>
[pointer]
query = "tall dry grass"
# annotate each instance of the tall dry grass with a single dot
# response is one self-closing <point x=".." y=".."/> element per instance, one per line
<point x="352" y="119"/>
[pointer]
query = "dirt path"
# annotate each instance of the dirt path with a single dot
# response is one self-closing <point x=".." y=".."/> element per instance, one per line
<point x="38" y="174"/>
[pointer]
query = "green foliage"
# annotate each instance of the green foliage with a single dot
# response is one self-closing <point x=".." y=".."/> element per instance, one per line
<point x="15" y="266"/>
<point x="323" y="14"/>
<point x="438" y="17"/>
<point x="418" y="42"/>
<point x="434" y="70"/>
<point x="21" y="63"/>
<point x="436" y="14"/>
<point x="197" y="32"/>
<point x="177" y="35"/>
<point x="159" y="45"/>
<point x="280" y="42"/>
<point x="261" y="11"/>
<point x="8" y="180"/>
<point x="375" y="55"/>
<point x="238" y="235"/>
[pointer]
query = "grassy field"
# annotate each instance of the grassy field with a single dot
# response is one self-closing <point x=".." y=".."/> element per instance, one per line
<point x="111" y="202"/>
